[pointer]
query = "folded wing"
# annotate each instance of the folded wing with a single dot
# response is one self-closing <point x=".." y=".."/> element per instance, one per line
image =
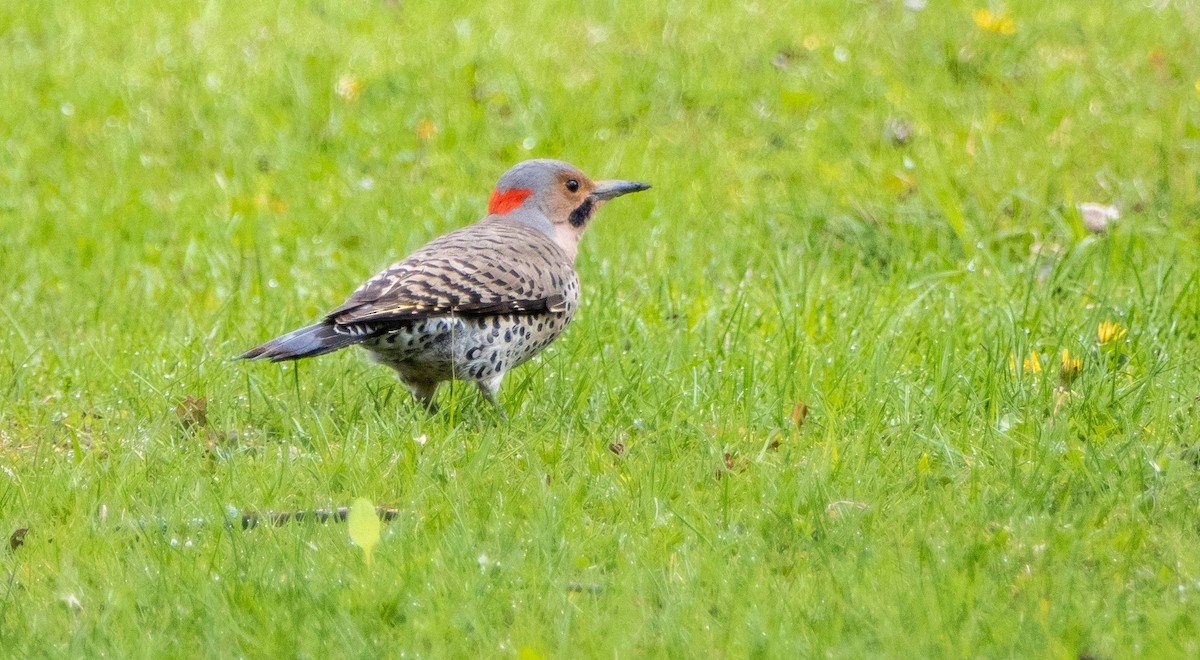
<point x="491" y="267"/>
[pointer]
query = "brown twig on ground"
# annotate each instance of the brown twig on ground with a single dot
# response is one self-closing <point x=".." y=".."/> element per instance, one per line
<point x="251" y="519"/>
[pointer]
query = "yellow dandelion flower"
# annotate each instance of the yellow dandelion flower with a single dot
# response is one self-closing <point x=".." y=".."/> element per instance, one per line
<point x="1109" y="331"/>
<point x="1029" y="365"/>
<point x="425" y="130"/>
<point x="1000" y="23"/>
<point x="1070" y="367"/>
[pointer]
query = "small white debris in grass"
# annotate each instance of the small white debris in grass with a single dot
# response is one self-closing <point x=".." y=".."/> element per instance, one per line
<point x="462" y="29"/>
<point x="348" y="87"/>
<point x="1098" y="218"/>
<point x="421" y="439"/>
<point x="840" y="507"/>
<point x="596" y="33"/>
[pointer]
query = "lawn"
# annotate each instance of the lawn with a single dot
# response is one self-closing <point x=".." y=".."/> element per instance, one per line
<point x="853" y="379"/>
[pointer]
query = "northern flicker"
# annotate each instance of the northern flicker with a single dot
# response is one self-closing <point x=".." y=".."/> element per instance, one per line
<point x="478" y="301"/>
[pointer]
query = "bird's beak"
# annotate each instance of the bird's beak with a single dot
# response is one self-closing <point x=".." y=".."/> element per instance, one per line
<point x="606" y="190"/>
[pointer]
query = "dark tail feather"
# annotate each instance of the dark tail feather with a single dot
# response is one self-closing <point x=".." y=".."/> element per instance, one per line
<point x="316" y="339"/>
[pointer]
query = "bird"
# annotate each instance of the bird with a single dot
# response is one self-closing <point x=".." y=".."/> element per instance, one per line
<point x="476" y="302"/>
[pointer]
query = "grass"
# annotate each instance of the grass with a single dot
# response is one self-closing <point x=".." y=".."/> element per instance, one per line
<point x="864" y="208"/>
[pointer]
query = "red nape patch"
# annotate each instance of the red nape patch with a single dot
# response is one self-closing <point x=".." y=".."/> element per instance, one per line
<point x="503" y="202"/>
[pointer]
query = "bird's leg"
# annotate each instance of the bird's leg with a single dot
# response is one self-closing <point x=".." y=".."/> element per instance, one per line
<point x="423" y="392"/>
<point x="488" y="389"/>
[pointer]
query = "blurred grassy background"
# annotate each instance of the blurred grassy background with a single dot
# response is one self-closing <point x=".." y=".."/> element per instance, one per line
<point x="863" y="209"/>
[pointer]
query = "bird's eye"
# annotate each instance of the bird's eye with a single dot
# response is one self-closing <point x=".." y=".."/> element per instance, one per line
<point x="572" y="185"/>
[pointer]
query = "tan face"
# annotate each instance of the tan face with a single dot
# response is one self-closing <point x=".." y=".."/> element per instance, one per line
<point x="569" y="203"/>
